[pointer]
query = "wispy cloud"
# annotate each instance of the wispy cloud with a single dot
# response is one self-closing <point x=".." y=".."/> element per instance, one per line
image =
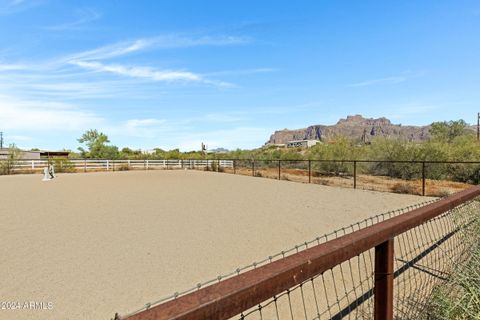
<point x="93" y="59"/>
<point x="28" y="115"/>
<point x="407" y="75"/>
<point x="145" y="128"/>
<point x="11" y="67"/>
<point x="387" y="80"/>
<point x="241" y="72"/>
<point x="84" y="16"/>
<point x="232" y="138"/>
<point x="159" y="42"/>
<point x="14" y="6"/>
<point x="411" y="109"/>
<point x="139" y="72"/>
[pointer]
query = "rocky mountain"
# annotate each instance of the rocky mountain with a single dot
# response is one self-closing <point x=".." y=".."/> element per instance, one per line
<point x="356" y="127"/>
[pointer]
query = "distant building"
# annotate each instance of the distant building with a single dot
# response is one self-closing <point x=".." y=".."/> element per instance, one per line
<point x="217" y="150"/>
<point x="34" y="155"/>
<point x="302" y="143"/>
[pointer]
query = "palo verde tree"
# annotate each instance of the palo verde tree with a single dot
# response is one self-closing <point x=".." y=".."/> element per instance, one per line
<point x="96" y="143"/>
<point x="448" y="131"/>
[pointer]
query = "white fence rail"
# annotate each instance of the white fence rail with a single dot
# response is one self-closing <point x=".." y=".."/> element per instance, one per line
<point x="80" y="165"/>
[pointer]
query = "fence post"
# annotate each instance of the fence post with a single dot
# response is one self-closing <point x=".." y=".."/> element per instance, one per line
<point x="279" y="169"/>
<point x="108" y="165"/>
<point x="253" y="168"/>
<point x="309" y="171"/>
<point x="383" y="290"/>
<point x="33" y="164"/>
<point x="113" y="165"/>
<point x="354" y="174"/>
<point x="234" y="167"/>
<point x="423" y="178"/>
<point x="85" y="165"/>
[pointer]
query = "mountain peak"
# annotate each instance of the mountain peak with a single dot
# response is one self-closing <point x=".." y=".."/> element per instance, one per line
<point x="360" y="120"/>
<point x="355" y="127"/>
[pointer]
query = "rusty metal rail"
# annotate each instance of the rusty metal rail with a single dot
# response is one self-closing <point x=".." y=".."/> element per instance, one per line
<point x="232" y="296"/>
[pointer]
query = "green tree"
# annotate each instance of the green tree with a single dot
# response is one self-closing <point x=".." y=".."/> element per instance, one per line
<point x="6" y="167"/>
<point x="96" y="143"/>
<point x="447" y="131"/>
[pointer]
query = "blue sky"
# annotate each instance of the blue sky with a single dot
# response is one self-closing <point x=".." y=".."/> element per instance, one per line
<point x="172" y="74"/>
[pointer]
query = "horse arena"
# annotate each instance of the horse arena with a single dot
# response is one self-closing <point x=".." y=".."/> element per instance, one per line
<point x="90" y="245"/>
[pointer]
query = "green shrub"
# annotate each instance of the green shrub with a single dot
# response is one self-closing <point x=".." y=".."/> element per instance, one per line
<point x="7" y="165"/>
<point x="63" y="165"/>
<point x="459" y="297"/>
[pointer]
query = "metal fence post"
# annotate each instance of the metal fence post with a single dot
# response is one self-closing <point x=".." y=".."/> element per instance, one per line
<point x="234" y="167"/>
<point x="423" y="178"/>
<point x="354" y="174"/>
<point x="383" y="290"/>
<point x="279" y="169"/>
<point x="309" y="171"/>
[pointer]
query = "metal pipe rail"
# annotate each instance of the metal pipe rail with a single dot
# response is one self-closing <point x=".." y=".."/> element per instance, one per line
<point x="237" y="294"/>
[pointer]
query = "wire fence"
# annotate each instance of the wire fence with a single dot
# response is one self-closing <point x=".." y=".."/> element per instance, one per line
<point x="424" y="259"/>
<point x="339" y="275"/>
<point x="430" y="178"/>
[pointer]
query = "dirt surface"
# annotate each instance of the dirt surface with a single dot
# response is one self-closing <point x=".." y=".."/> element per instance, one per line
<point x="99" y="243"/>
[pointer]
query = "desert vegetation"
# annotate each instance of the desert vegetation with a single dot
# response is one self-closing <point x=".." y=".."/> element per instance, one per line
<point x="459" y="296"/>
<point x="6" y="166"/>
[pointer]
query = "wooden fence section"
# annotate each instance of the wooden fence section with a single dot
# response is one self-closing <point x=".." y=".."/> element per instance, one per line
<point x="85" y="165"/>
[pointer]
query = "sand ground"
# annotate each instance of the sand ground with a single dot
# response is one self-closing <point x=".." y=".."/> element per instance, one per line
<point x="99" y="243"/>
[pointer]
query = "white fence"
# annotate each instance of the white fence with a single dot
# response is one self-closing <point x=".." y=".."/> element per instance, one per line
<point x="80" y="165"/>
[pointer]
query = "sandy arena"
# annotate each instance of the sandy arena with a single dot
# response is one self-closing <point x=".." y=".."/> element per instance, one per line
<point x="99" y="243"/>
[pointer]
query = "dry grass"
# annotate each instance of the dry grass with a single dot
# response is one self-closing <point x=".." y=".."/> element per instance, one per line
<point x="436" y="188"/>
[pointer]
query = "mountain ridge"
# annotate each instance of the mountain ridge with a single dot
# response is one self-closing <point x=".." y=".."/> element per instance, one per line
<point x="355" y="127"/>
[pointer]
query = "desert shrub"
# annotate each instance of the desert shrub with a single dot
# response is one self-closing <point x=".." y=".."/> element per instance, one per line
<point x="123" y="167"/>
<point x="468" y="173"/>
<point x="214" y="165"/>
<point x="258" y="174"/>
<point x="316" y="173"/>
<point x="395" y="150"/>
<point x="404" y="188"/>
<point x="7" y="165"/>
<point x="459" y="296"/>
<point x="441" y="193"/>
<point x="340" y="149"/>
<point x="63" y="165"/>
